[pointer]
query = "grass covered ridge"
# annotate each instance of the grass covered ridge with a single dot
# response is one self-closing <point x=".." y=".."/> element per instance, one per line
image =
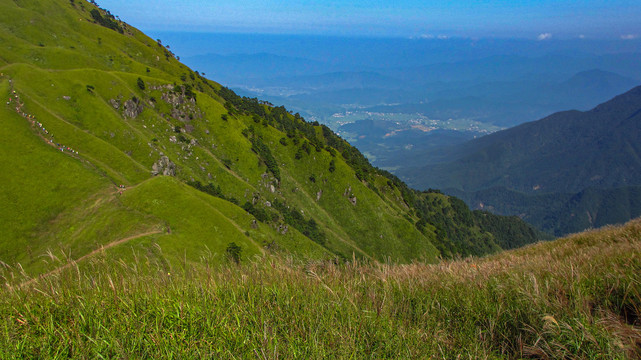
<point x="578" y="297"/>
<point x="76" y="77"/>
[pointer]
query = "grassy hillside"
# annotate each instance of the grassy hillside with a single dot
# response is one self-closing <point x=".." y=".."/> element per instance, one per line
<point x="578" y="297"/>
<point x="115" y="143"/>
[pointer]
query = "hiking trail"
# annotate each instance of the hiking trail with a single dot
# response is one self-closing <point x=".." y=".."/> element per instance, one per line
<point x="92" y="253"/>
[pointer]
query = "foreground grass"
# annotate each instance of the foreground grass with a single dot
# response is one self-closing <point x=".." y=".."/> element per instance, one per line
<point x="578" y="297"/>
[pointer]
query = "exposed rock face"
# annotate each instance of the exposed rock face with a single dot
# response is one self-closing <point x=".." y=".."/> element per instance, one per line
<point x="163" y="166"/>
<point x="115" y="103"/>
<point x="350" y="196"/>
<point x="133" y="108"/>
<point x="282" y="229"/>
<point x="183" y="107"/>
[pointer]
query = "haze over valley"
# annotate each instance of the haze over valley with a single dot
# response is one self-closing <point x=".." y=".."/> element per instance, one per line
<point x="325" y="179"/>
<point x="395" y="98"/>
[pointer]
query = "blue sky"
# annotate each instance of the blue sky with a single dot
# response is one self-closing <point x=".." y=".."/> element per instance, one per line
<point x="543" y="19"/>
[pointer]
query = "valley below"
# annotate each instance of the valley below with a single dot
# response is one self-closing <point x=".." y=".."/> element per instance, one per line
<point x="311" y="196"/>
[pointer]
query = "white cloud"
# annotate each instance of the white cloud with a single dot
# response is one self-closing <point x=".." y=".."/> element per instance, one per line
<point x="629" y="36"/>
<point x="544" y="36"/>
<point x="581" y="36"/>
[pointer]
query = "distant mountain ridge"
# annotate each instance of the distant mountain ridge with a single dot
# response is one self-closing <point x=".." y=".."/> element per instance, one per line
<point x="564" y="152"/>
<point x="509" y="103"/>
<point x="561" y="173"/>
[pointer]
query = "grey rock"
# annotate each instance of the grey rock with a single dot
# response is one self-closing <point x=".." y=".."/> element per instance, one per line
<point x="163" y="166"/>
<point x="133" y="108"/>
<point x="282" y="229"/>
<point x="115" y="103"/>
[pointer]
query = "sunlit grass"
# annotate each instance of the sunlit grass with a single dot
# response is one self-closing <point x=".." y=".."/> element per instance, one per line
<point x="578" y="297"/>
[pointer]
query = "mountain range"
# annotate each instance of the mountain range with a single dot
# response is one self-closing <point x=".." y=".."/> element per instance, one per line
<point x="111" y="143"/>
<point x="582" y="167"/>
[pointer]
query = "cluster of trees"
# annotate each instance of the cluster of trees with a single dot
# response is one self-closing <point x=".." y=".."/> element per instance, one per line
<point x="455" y="227"/>
<point x="213" y="190"/>
<point x="259" y="213"/>
<point x="509" y="231"/>
<point x="289" y="215"/>
<point x="108" y="21"/>
<point x="141" y="83"/>
<point x="293" y="217"/>
<point x="262" y="150"/>
<point x="464" y="232"/>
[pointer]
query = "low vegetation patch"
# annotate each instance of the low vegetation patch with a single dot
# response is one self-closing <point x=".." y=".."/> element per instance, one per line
<point x="578" y="297"/>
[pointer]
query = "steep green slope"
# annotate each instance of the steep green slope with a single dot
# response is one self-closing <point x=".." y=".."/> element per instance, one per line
<point x="107" y="128"/>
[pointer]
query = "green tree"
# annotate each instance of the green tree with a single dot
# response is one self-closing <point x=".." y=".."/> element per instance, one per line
<point x="234" y="252"/>
<point x="141" y="83"/>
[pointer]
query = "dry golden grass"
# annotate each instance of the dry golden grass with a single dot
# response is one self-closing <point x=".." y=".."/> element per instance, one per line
<point x="578" y="297"/>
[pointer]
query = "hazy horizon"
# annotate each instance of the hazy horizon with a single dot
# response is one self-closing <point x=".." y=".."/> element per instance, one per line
<point x="526" y="19"/>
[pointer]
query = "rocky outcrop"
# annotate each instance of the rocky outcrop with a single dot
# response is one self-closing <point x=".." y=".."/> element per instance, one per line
<point x="350" y="196"/>
<point x="115" y="103"/>
<point x="282" y="229"/>
<point x="183" y="106"/>
<point x="163" y="166"/>
<point x="132" y="108"/>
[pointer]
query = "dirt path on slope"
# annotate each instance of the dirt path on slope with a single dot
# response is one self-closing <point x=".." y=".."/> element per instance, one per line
<point x="93" y="253"/>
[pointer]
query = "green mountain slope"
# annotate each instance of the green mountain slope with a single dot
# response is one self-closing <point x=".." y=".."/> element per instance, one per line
<point x="112" y="141"/>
